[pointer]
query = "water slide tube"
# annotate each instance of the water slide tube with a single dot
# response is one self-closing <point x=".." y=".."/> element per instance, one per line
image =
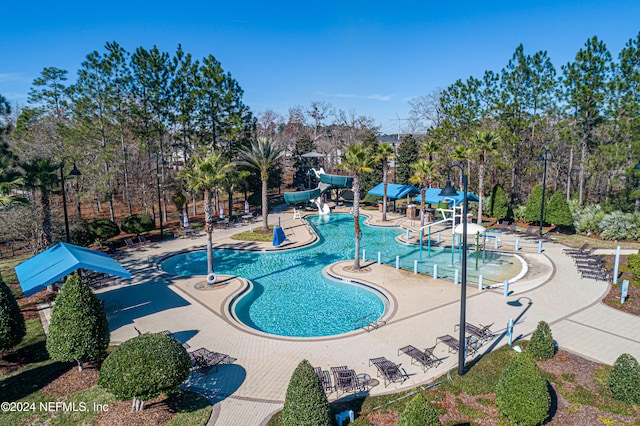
<point x="315" y="195"/>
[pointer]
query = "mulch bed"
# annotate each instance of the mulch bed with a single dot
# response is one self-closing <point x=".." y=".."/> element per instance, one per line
<point x="156" y="412"/>
<point x="571" y="370"/>
<point x="74" y="380"/>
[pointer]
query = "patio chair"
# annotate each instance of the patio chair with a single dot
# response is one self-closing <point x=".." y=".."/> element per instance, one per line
<point x="482" y="333"/>
<point x="143" y="240"/>
<point x="204" y="359"/>
<point x="130" y="244"/>
<point x="389" y="371"/>
<point x="345" y="379"/>
<point x="425" y="358"/>
<point x="325" y="379"/>
<point x="472" y="344"/>
<point x="584" y="247"/>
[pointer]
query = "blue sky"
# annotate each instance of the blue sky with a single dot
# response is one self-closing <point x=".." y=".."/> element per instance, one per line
<point x="369" y="57"/>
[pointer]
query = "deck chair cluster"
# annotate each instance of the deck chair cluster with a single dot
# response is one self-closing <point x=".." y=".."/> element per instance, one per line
<point x="588" y="264"/>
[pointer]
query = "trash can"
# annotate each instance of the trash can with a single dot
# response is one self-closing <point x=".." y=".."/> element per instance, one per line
<point x="380" y="206"/>
<point x="430" y="214"/>
<point x="411" y="211"/>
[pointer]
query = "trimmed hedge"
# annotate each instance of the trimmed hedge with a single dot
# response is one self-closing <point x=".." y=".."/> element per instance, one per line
<point x="79" y="330"/>
<point x="145" y="366"/>
<point x="499" y="203"/>
<point x="541" y="344"/>
<point x="306" y="402"/>
<point x="522" y="394"/>
<point x="81" y="235"/>
<point x="104" y="229"/>
<point x="624" y="381"/>
<point x="137" y="224"/>
<point x="419" y="412"/>
<point x="12" y="327"/>
<point x="557" y="210"/>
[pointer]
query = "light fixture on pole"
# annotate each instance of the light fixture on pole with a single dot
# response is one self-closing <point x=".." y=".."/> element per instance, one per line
<point x="75" y="172"/>
<point x="543" y="158"/>
<point x="449" y="191"/>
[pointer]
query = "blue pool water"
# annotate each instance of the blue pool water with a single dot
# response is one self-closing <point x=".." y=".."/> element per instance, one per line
<point x="291" y="297"/>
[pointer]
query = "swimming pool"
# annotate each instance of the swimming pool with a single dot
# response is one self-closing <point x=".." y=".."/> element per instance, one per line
<point x="291" y="297"/>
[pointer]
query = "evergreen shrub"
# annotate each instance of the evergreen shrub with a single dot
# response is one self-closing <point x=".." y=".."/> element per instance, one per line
<point x="618" y="226"/>
<point x="534" y="205"/>
<point x="624" y="381"/>
<point x="419" y="412"/>
<point x="12" y="327"/>
<point x="305" y="402"/>
<point x="81" y="235"/>
<point x="633" y="260"/>
<point x="137" y="224"/>
<point x="499" y="203"/>
<point x="557" y="211"/>
<point x="144" y="366"/>
<point x="78" y="330"/>
<point x="104" y="229"/>
<point x="541" y="344"/>
<point x="522" y="395"/>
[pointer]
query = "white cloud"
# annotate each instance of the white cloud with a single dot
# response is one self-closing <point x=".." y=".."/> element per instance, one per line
<point x="11" y="76"/>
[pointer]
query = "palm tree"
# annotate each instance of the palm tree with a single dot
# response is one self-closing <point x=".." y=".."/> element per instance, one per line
<point x="207" y="174"/>
<point x="40" y="175"/>
<point x="424" y="172"/>
<point x="262" y="155"/>
<point x="384" y="153"/>
<point x="486" y="144"/>
<point x="357" y="160"/>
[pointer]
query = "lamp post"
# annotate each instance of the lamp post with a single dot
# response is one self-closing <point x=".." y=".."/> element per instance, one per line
<point x="449" y="191"/>
<point x="74" y="172"/>
<point x="543" y="158"/>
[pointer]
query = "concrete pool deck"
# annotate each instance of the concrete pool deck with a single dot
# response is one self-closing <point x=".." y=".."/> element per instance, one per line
<point x="250" y="389"/>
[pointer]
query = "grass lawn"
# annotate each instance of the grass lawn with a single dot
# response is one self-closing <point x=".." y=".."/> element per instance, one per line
<point x="255" y="235"/>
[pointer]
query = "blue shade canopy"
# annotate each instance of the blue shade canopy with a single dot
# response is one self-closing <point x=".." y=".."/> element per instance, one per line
<point x="432" y="196"/>
<point x="61" y="260"/>
<point x="394" y="191"/>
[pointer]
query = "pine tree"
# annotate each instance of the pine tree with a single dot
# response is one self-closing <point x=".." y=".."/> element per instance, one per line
<point x="79" y="330"/>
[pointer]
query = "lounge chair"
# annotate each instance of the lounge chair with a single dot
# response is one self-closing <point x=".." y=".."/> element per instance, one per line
<point x="143" y="240"/>
<point x="130" y="244"/>
<point x="482" y="333"/>
<point x="425" y="358"/>
<point x="569" y="251"/>
<point x="205" y="359"/>
<point x="389" y="371"/>
<point x="454" y="344"/>
<point x="345" y="379"/>
<point x="325" y="379"/>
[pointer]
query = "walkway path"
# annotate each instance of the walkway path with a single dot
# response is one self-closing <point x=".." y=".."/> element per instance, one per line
<point x="249" y="390"/>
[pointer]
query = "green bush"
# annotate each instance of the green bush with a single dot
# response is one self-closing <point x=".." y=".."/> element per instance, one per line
<point x="618" y="226"/>
<point x="143" y="367"/>
<point x="419" y="412"/>
<point x="104" y="229"/>
<point x="79" y="330"/>
<point x="534" y="205"/>
<point x="633" y="260"/>
<point x="624" y="381"/>
<point x="541" y="344"/>
<point x="12" y="327"/>
<point x="499" y="203"/>
<point x="371" y="200"/>
<point x="522" y="394"/>
<point x="587" y="218"/>
<point x="81" y="235"/>
<point x="557" y="211"/>
<point x="305" y="402"/>
<point x="137" y="224"/>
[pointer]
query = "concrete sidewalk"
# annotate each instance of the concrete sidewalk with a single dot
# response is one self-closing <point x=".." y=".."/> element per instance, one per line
<point x="249" y="390"/>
